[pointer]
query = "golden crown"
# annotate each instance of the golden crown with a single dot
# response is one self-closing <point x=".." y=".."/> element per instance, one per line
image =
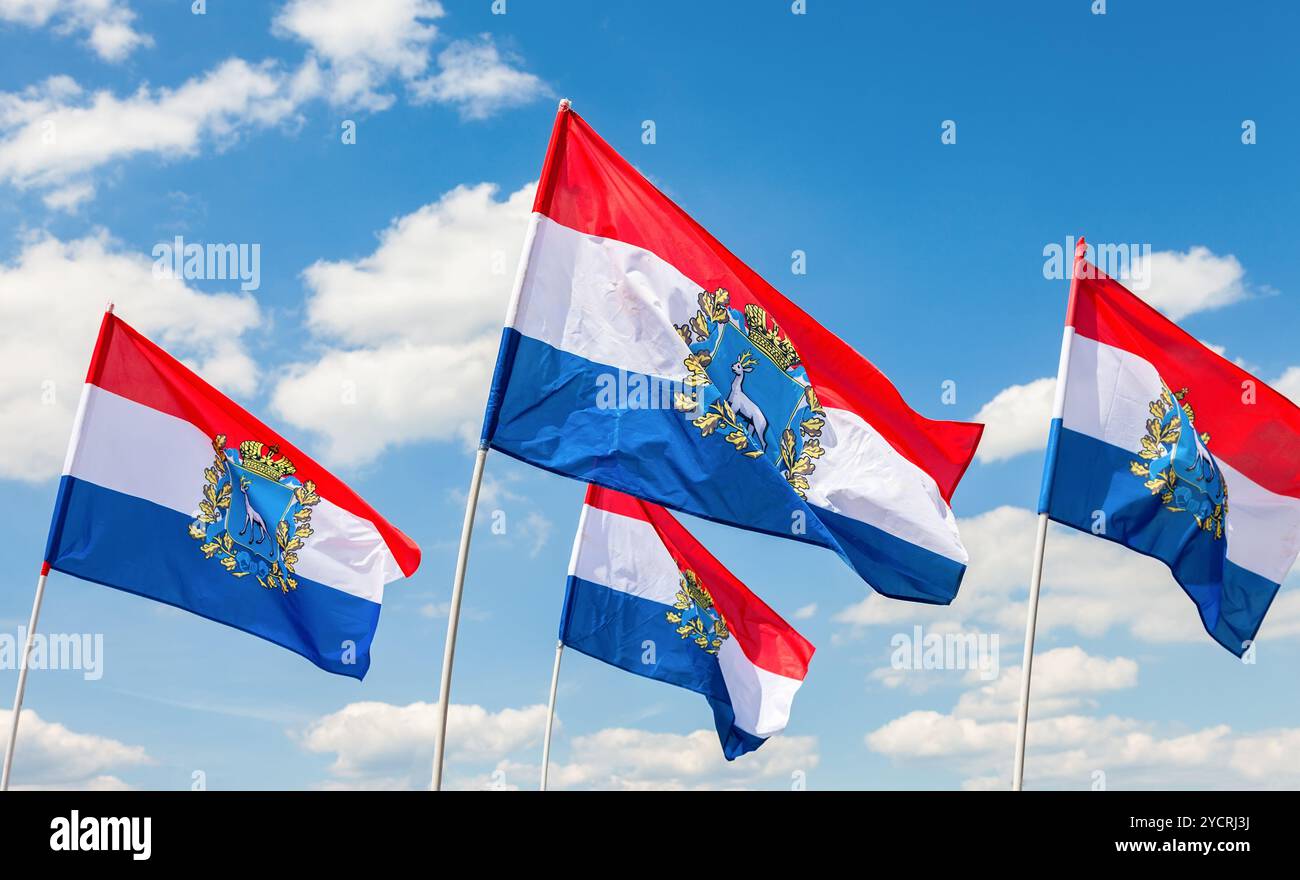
<point x="264" y="460"/>
<point x="769" y="340"/>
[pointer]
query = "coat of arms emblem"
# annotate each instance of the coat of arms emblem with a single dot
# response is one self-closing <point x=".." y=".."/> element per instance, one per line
<point x="695" y="615"/>
<point x="765" y="406"/>
<point x="1177" y="464"/>
<point x="255" y="515"/>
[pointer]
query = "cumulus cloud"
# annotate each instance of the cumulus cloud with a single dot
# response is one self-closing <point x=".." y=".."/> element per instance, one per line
<point x="1182" y="283"/>
<point x="633" y="760"/>
<point x="1289" y="384"/>
<point x="479" y="81"/>
<point x="106" y="25"/>
<point x="52" y="135"/>
<point x="1091" y="586"/>
<point x="1016" y="420"/>
<point x="381" y="745"/>
<point x="50" y="755"/>
<point x="1067" y="749"/>
<point x="52" y="298"/>
<point x="361" y="46"/>
<point x="410" y="331"/>
<point x="1095" y="587"/>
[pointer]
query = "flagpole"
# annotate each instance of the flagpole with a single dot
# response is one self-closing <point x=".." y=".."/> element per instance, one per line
<point x="550" y="712"/>
<point x="22" y="677"/>
<point x="1040" y="541"/>
<point x="467" y="529"/>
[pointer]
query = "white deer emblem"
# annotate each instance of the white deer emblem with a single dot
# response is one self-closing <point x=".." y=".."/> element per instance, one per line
<point x="741" y="403"/>
<point x="252" y="519"/>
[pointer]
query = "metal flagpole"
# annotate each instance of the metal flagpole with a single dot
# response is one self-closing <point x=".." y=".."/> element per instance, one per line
<point x="453" y="615"/>
<point x="36" y="607"/>
<point x="467" y="529"/>
<point x="550" y="712"/>
<point x="1040" y="543"/>
<point x="22" y="677"/>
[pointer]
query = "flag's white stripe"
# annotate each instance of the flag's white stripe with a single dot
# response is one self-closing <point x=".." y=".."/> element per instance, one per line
<point x="760" y="699"/>
<point x="626" y="555"/>
<point x="1108" y="397"/>
<point x="137" y="450"/>
<point x="606" y="301"/>
<point x="864" y="478"/>
<point x="613" y="304"/>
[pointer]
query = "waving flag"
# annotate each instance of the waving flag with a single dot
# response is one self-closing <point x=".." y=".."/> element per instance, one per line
<point x="1169" y="449"/>
<point x="173" y="492"/>
<point x="646" y="597"/>
<point x="643" y="356"/>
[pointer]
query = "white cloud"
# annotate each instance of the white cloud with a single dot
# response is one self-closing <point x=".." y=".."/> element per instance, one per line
<point x="52" y="298"/>
<point x="1062" y="676"/>
<point x="1197" y="280"/>
<point x="106" y="24"/>
<point x="411" y="330"/>
<point x="1016" y="420"/>
<point x="1090" y="587"/>
<point x="50" y="755"/>
<point x="474" y="77"/>
<point x="1289" y="384"/>
<point x="629" y="759"/>
<point x="807" y="612"/>
<point x="361" y="45"/>
<point x="379" y="745"/>
<point x="54" y="134"/>
<point x="1067" y="749"/>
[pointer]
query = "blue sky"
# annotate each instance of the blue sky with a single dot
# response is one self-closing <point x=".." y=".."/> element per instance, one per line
<point x="384" y="269"/>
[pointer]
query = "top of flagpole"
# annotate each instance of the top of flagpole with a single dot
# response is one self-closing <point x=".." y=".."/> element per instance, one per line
<point x="565" y="104"/>
<point x="108" y="310"/>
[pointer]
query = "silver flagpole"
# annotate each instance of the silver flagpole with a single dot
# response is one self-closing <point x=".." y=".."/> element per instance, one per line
<point x="550" y="712"/>
<point x="73" y="440"/>
<point x="1040" y="544"/>
<point x="467" y="529"/>
<point x="22" y="678"/>
<point x="559" y="645"/>
<point x="453" y="615"/>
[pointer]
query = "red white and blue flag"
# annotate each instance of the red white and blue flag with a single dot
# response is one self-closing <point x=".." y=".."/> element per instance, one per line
<point x="645" y="596"/>
<point x="643" y="356"/>
<point x="1168" y="448"/>
<point x="173" y="492"/>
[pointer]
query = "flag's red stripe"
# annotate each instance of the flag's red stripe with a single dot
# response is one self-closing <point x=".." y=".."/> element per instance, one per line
<point x="130" y="366"/>
<point x="768" y="641"/>
<point x="588" y="187"/>
<point x="1261" y="439"/>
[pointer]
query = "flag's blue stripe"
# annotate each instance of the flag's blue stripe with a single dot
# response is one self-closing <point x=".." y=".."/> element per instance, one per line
<point x="140" y="547"/>
<point x="634" y="634"/>
<point x="1092" y="476"/>
<point x="1049" y="467"/>
<point x="547" y="415"/>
